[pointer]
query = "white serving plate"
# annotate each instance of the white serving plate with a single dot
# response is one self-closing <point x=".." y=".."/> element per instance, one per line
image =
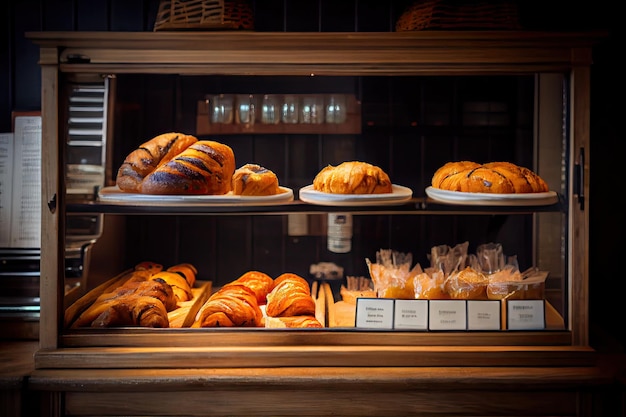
<point x="115" y="195"/>
<point x="479" y="199"/>
<point x="398" y="195"/>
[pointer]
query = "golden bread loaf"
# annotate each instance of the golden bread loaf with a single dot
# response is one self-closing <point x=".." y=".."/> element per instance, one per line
<point x="253" y="179"/>
<point x="204" y="168"/>
<point x="148" y="157"/>
<point x="352" y="177"/>
<point x="493" y="177"/>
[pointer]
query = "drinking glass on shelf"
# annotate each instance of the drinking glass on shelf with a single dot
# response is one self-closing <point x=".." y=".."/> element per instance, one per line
<point x="290" y="109"/>
<point x="312" y="109"/>
<point x="221" y="108"/>
<point x="246" y="109"/>
<point x="335" y="108"/>
<point x="270" y="109"/>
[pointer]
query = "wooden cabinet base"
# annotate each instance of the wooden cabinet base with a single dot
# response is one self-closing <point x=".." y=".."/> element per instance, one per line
<point x="497" y="391"/>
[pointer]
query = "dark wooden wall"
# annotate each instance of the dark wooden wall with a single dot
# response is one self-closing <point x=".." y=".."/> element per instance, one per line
<point x="20" y="90"/>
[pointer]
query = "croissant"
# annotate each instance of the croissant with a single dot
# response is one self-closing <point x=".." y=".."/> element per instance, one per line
<point x="186" y="270"/>
<point x="230" y="306"/>
<point x="352" y="177"/>
<point x="135" y="310"/>
<point x="260" y="283"/>
<point x="252" y="179"/>
<point x="291" y="296"/>
<point x="292" y="321"/>
<point x="177" y="282"/>
<point x="206" y="167"/>
<point x="148" y="157"/>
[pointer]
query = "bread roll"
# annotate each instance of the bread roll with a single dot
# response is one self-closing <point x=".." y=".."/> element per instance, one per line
<point x="352" y="177"/>
<point x="292" y="322"/>
<point x="186" y="270"/>
<point x="206" y="168"/>
<point x="148" y="157"/>
<point x="253" y="179"/>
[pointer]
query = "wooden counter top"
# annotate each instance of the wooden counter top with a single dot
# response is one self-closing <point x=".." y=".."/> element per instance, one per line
<point x="16" y="362"/>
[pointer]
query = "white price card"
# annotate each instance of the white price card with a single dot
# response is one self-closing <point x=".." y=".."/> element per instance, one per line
<point x="374" y="313"/>
<point x="526" y="314"/>
<point x="411" y="315"/>
<point x="447" y="315"/>
<point x="483" y="315"/>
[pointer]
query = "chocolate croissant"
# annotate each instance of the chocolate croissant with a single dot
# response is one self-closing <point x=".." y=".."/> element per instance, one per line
<point x="291" y="296"/>
<point x="135" y="310"/>
<point x="148" y="157"/>
<point x="493" y="177"/>
<point x="231" y="306"/>
<point x="204" y="168"/>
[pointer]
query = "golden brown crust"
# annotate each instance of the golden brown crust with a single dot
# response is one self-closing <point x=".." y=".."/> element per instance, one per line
<point x="293" y="322"/>
<point x="253" y="179"/>
<point x="148" y="157"/>
<point x="180" y="286"/>
<point x="204" y="168"/>
<point x="134" y="310"/>
<point x="352" y="177"/>
<point x="259" y="282"/>
<point x="230" y="306"/>
<point x="186" y="270"/>
<point x="291" y="296"/>
<point x="493" y="177"/>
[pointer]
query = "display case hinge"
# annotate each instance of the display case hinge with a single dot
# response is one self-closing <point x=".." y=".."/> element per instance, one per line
<point x="579" y="179"/>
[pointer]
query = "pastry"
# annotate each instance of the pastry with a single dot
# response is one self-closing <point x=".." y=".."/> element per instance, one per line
<point x="260" y="283"/>
<point x="292" y="322"/>
<point x="352" y="177"/>
<point x="205" y="168"/>
<point x="252" y="179"/>
<point x="134" y="310"/>
<point x="231" y="306"/>
<point x="291" y="296"/>
<point x="493" y="177"/>
<point x="467" y="284"/>
<point x="186" y="270"/>
<point x="148" y="157"/>
<point x="180" y="286"/>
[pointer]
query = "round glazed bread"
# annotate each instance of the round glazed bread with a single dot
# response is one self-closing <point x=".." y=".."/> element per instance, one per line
<point x="253" y="179"/>
<point x="353" y="177"/>
<point x="493" y="177"/>
<point x="206" y="167"/>
<point x="148" y="157"/>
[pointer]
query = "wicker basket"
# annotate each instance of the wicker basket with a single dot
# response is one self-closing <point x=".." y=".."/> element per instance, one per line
<point x="204" y="15"/>
<point x="456" y="14"/>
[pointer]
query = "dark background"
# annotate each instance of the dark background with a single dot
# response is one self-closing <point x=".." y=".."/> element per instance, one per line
<point x="20" y="90"/>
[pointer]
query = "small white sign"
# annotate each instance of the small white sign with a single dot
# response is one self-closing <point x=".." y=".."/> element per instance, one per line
<point x="374" y="313"/>
<point x="447" y="315"/>
<point x="525" y="314"/>
<point x="483" y="315"/>
<point x="411" y="315"/>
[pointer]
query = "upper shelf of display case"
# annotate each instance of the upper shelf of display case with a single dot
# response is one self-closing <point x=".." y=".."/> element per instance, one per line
<point x="316" y="53"/>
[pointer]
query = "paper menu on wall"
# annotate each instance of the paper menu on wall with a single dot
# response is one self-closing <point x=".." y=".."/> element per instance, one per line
<point x="26" y="194"/>
<point x="6" y="187"/>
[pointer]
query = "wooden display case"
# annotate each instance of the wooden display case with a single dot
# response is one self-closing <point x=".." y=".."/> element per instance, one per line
<point x="392" y="372"/>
